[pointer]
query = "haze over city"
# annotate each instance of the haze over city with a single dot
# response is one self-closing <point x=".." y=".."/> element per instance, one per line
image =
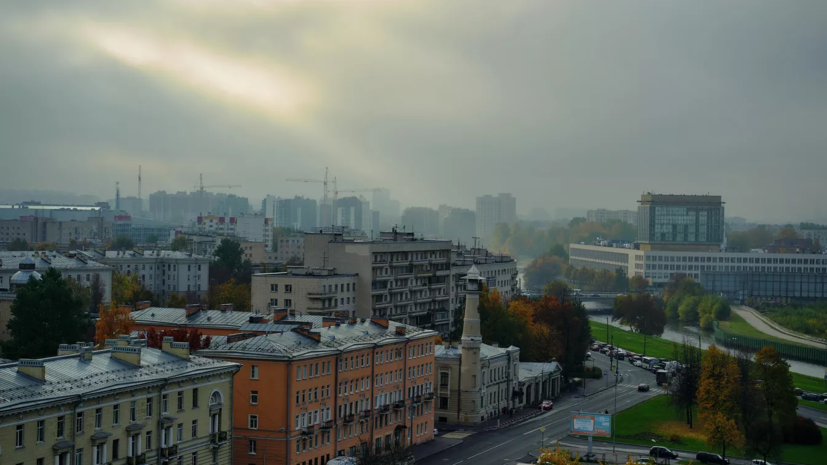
<point x="563" y="104"/>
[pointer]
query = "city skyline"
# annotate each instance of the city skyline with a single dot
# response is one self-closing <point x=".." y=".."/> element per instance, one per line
<point x="564" y="92"/>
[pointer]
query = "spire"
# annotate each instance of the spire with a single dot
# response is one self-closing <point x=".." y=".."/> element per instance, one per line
<point x="471" y="321"/>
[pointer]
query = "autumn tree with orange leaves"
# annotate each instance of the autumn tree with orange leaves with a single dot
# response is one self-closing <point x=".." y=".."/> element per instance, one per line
<point x="112" y="322"/>
<point x="717" y="399"/>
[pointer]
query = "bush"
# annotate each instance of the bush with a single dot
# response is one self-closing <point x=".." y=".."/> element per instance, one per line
<point x="722" y="310"/>
<point x="688" y="310"/>
<point x="672" y="308"/>
<point x="675" y="438"/>
<point x="802" y="431"/>
<point x="706" y="321"/>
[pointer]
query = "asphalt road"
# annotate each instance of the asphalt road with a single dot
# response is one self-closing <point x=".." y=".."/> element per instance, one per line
<point x="510" y="445"/>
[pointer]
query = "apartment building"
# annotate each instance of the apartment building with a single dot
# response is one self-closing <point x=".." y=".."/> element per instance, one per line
<point x="492" y="210"/>
<point x="125" y="405"/>
<point x="305" y="396"/>
<point x="258" y="253"/>
<point x="255" y="228"/>
<point x="311" y="291"/>
<point x="161" y="271"/>
<point x="34" y="229"/>
<point x="71" y="265"/>
<point x="602" y="215"/>
<point x="398" y="276"/>
<point x="214" y="224"/>
<point x="289" y="246"/>
<point x="498" y="270"/>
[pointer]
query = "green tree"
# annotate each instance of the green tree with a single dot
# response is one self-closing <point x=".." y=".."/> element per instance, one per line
<point x="559" y="289"/>
<point x="717" y="398"/>
<point x="638" y="283"/>
<point x="127" y="289"/>
<point x="229" y="255"/>
<point x="121" y="243"/>
<point x="576" y="221"/>
<point x="744" y="241"/>
<point x="176" y="300"/>
<point x="45" y="314"/>
<point x="776" y="391"/>
<point x="642" y="313"/>
<point x="500" y="235"/>
<point x="179" y="244"/>
<point x="17" y="244"/>
<point x="604" y="280"/>
<point x="722" y="310"/>
<point x="542" y="270"/>
<point x="557" y="250"/>
<point x="671" y="309"/>
<point x="621" y="283"/>
<point x="688" y="311"/>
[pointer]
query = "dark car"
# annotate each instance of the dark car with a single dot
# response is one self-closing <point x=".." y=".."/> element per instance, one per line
<point x="811" y="396"/>
<point x="643" y="387"/>
<point x="662" y="453"/>
<point x="709" y="457"/>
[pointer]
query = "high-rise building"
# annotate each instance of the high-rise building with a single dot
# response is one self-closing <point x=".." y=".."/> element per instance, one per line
<point x="422" y="221"/>
<point x="298" y="213"/>
<point x="255" y="228"/>
<point x="181" y="207"/>
<point x="349" y="213"/>
<point x="460" y="225"/>
<point x="493" y="210"/>
<point x="602" y="215"/>
<point x="680" y="222"/>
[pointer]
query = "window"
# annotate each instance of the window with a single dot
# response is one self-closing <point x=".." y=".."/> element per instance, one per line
<point x="98" y="418"/>
<point x="18" y="436"/>
<point x="251" y="446"/>
<point x="180" y="400"/>
<point x="41" y="430"/>
<point x="78" y="456"/>
<point x="179" y="433"/>
<point x="194" y="458"/>
<point x="133" y="411"/>
<point x="288" y="303"/>
<point x="115" y="449"/>
<point x="274" y="288"/>
<point x="165" y="403"/>
<point x="253" y="371"/>
<point x="252" y="421"/>
<point x="79" y="423"/>
<point x="254" y="397"/>
<point x="148" y="445"/>
<point x="194" y="428"/>
<point x="288" y="288"/>
<point x="149" y="406"/>
<point x="99" y="456"/>
<point x="61" y="426"/>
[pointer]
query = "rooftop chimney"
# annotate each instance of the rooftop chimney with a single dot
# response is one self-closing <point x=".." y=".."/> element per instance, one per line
<point x="128" y="308"/>
<point x="226" y="307"/>
<point x="128" y="354"/>
<point x="67" y="349"/>
<point x="279" y="313"/>
<point x="231" y="338"/>
<point x="383" y="322"/>
<point x="86" y="354"/>
<point x="33" y="368"/>
<point x="110" y="343"/>
<point x="123" y="340"/>
<point x="179" y="349"/>
<point x="192" y="309"/>
<point x="142" y="304"/>
<point x="401" y="330"/>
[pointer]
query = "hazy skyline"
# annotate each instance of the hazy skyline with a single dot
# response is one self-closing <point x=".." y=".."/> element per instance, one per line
<point x="563" y="104"/>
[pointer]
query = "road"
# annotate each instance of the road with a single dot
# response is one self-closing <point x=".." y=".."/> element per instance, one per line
<point x="749" y="315"/>
<point x="509" y="445"/>
<point x="513" y="444"/>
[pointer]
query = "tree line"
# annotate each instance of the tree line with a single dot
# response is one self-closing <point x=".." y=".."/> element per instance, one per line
<point x="687" y="301"/>
<point x="534" y="238"/>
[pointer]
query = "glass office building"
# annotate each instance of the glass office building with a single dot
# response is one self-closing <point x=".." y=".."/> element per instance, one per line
<point x="681" y="219"/>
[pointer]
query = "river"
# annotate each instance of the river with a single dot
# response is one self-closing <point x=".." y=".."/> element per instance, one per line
<point x="676" y="331"/>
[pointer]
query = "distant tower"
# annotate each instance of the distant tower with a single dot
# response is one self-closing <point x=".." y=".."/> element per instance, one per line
<point x="117" y="195"/>
<point x="139" y="184"/>
<point x="471" y="385"/>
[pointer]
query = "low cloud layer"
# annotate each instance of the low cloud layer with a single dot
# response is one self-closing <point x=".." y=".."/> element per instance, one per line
<point x="580" y="104"/>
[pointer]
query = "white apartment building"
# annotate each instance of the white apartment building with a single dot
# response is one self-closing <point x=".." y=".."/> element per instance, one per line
<point x="71" y="265"/>
<point x="255" y="228"/>
<point x="493" y="210"/>
<point x="288" y="247"/>
<point x="161" y="271"/>
<point x="602" y="215"/>
<point x="498" y="269"/>
<point x="399" y="276"/>
<point x="214" y="224"/>
<point x="308" y="291"/>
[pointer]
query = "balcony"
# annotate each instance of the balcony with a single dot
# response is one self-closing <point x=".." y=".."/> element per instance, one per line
<point x="139" y="459"/>
<point x="308" y="430"/>
<point x="417" y="399"/>
<point x="395" y="290"/>
<point x="424" y="273"/>
<point x="320" y="295"/>
<point x="420" y="261"/>
<point x="442" y="297"/>
<point x="404" y="274"/>
<point x="399" y="405"/>
<point x="421" y="311"/>
<point x="383" y="304"/>
<point x="434" y="261"/>
<point x="380" y="264"/>
<point x="365" y="414"/>
<point x="419" y="287"/>
<point x="385" y="408"/>
<point x="218" y="439"/>
<point x="326" y="425"/>
<point x="429" y="395"/>
<point x="378" y="290"/>
<point x="443" y="272"/>
<point x="171" y="451"/>
<point x="436" y="285"/>
<point x="348" y="418"/>
<point x="404" y="262"/>
<point x="403" y="301"/>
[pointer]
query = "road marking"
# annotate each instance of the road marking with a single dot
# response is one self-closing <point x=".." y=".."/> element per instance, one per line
<point x="488" y="450"/>
<point x="457" y="463"/>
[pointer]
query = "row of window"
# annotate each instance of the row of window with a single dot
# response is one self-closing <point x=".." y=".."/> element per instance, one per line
<point x="310" y="395"/>
<point x="312" y="370"/>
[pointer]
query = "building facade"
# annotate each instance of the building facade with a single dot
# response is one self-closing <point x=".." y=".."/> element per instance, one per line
<point x="125" y="405"/>
<point x="305" y="396"/>
<point x="311" y="291"/>
<point x="290" y="246"/>
<point x="161" y="271"/>
<point x="602" y="216"/>
<point x="681" y="222"/>
<point x="399" y="276"/>
<point x="421" y="221"/>
<point x="71" y="265"/>
<point x="493" y="210"/>
<point x="255" y="228"/>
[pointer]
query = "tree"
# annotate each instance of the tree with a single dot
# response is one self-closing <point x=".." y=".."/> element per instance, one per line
<point x="638" y="283"/>
<point x="176" y="300"/>
<point x="152" y="238"/>
<point x="44" y="314"/>
<point x="127" y="289"/>
<point x="787" y="232"/>
<point x="180" y="244"/>
<point x="17" y="244"/>
<point x="777" y="393"/>
<point x="121" y="243"/>
<point x="744" y="241"/>
<point x="112" y="322"/>
<point x="97" y="291"/>
<point x="81" y="291"/>
<point x="569" y="321"/>
<point x="228" y="261"/>
<point x="717" y="398"/>
<point x="621" y="283"/>
<point x="388" y="455"/>
<point x="680" y="286"/>
<point x="688" y="311"/>
<point x="294" y="261"/>
<point x="576" y="221"/>
<point x="542" y="270"/>
<point x="557" y="250"/>
<point x="230" y="292"/>
<point x="196" y="340"/>
<point x="683" y="392"/>
<point x="604" y="280"/>
<point x="642" y="313"/>
<point x="558" y="289"/>
<point x="46" y="246"/>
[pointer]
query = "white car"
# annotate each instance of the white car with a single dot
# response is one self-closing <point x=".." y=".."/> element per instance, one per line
<point x="638" y="363"/>
<point x="759" y="462"/>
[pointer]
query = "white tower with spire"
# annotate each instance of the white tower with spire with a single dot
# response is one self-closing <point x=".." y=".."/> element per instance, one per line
<point x="471" y="383"/>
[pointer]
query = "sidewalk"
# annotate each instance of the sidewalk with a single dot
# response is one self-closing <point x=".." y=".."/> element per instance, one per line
<point x="438" y="444"/>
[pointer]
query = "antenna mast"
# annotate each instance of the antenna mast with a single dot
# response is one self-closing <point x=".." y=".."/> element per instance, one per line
<point x="139" y="185"/>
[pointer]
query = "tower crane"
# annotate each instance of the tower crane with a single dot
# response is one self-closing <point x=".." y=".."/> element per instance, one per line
<point x="324" y="197"/>
<point x="201" y="185"/>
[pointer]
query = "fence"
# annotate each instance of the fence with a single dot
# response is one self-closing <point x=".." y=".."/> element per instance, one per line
<point x="791" y="351"/>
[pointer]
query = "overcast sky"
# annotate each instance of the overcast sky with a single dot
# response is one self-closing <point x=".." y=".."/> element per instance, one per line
<point x="564" y="104"/>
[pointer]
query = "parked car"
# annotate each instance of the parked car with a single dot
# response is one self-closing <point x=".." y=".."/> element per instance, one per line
<point x="595" y="295"/>
<point x="798" y="391"/>
<point x="643" y="387"/>
<point x="588" y="355"/>
<point x="594" y="347"/>
<point x="547" y="405"/>
<point x="759" y="462"/>
<point x="436" y="432"/>
<point x="638" y="363"/>
<point x="621" y="356"/>
<point x="662" y="453"/>
<point x="604" y="350"/>
<point x="709" y="457"/>
<point x="811" y="397"/>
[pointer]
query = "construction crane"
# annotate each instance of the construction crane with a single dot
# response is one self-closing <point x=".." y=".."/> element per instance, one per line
<point x="201" y="185"/>
<point x="375" y="189"/>
<point x="324" y="196"/>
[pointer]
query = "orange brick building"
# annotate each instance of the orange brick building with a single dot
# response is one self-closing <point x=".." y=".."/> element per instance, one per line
<point x="306" y="395"/>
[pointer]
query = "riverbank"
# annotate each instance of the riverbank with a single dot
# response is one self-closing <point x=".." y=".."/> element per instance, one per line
<point x="663" y="348"/>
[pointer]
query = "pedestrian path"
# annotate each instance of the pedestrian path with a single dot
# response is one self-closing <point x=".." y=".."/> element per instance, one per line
<point x="768" y="327"/>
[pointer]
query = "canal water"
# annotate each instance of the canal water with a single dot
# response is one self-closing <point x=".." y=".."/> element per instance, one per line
<point x="676" y="331"/>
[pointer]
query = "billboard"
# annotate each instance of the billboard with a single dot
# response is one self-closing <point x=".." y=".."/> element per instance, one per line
<point x="591" y="424"/>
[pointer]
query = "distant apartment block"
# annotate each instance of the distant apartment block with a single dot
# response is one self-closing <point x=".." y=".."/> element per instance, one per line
<point x="399" y="276"/>
<point x="458" y="224"/>
<point x="161" y="271"/>
<point x="182" y="207"/>
<point x="255" y="228"/>
<point x="422" y="221"/>
<point x="289" y="246"/>
<point x="257" y="253"/>
<point x="681" y="222"/>
<point x="602" y="216"/>
<point x="307" y="291"/>
<point x="297" y="213"/>
<point x="492" y="210"/>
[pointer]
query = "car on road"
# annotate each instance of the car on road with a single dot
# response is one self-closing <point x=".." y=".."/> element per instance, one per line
<point x="595" y="295"/>
<point x="594" y="347"/>
<point x="811" y="397"/>
<point x="662" y="453"/>
<point x="604" y="350"/>
<point x="709" y="457"/>
<point x="643" y="387"/>
<point x="547" y="405"/>
<point x="638" y="363"/>
<point x="588" y="355"/>
<point x="436" y="432"/>
<point x="759" y="462"/>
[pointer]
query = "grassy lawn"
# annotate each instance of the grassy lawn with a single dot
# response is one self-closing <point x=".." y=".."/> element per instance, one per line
<point x="656" y="419"/>
<point x="662" y="348"/>
<point x="812" y="405"/>
<point x="739" y="326"/>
